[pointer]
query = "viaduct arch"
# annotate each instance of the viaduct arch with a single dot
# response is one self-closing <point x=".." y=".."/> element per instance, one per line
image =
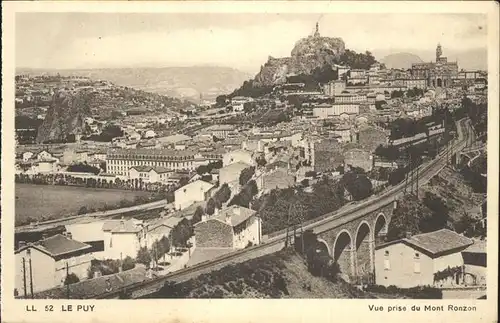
<point x="352" y="244"/>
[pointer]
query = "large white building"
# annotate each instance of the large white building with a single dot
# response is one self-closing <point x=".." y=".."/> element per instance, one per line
<point x="120" y="161"/>
<point x="324" y="111"/>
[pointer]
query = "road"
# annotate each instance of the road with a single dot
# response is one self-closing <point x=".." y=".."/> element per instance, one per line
<point x="277" y="243"/>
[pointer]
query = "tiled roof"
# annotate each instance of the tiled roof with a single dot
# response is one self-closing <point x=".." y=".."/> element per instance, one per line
<point x="146" y="169"/>
<point x="238" y="214"/>
<point x="124" y="226"/>
<point x="440" y="241"/>
<point x="436" y="242"/>
<point x="93" y="287"/>
<point x="479" y="246"/>
<point x="239" y="166"/>
<point x="59" y="245"/>
<point x="151" y="152"/>
<point x="197" y="184"/>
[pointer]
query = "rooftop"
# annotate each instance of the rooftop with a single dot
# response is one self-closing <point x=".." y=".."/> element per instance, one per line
<point x="93" y="287"/>
<point x="58" y="245"/>
<point x="435" y="243"/>
<point x="151" y="152"/>
<point x="237" y="214"/>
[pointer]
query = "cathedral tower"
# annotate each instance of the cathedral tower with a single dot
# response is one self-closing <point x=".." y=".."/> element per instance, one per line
<point x="439" y="52"/>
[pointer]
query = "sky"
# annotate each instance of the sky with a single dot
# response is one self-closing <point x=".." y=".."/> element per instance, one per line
<point x="241" y="41"/>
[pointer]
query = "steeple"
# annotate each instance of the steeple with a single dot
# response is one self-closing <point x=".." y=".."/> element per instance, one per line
<point x="316" y="33"/>
<point x="439" y="52"/>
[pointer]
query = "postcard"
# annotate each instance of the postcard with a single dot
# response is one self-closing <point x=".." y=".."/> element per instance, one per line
<point x="249" y="161"/>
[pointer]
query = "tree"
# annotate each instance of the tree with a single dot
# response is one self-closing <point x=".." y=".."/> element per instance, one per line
<point x="246" y="174"/>
<point x="198" y="213"/>
<point x="128" y="263"/>
<point x="83" y="168"/>
<point x="261" y="161"/>
<point x="358" y="185"/>
<point x="210" y="209"/>
<point x="71" y="279"/>
<point x="439" y="209"/>
<point x="83" y="210"/>
<point x="181" y="234"/>
<point x="144" y="257"/>
<point x="409" y="216"/>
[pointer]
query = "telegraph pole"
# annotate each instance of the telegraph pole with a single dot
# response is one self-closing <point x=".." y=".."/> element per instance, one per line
<point x="31" y="279"/>
<point x="67" y="283"/>
<point x="417" y="182"/>
<point x="24" y="275"/>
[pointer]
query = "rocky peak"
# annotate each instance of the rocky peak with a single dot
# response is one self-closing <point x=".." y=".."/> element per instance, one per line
<point x="308" y="53"/>
<point x="65" y="116"/>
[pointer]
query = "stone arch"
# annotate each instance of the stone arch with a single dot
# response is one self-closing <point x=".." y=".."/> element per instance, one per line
<point x="323" y="242"/>
<point x="343" y="250"/>
<point x="364" y="248"/>
<point x="380" y="228"/>
<point x="439" y="82"/>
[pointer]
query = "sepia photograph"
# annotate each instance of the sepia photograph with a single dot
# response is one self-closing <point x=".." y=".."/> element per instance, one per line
<point x="325" y="155"/>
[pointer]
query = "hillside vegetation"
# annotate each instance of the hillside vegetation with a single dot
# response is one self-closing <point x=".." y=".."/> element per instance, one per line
<point x="280" y="275"/>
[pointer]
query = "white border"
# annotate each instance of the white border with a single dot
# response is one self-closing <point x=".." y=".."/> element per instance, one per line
<point x="242" y="310"/>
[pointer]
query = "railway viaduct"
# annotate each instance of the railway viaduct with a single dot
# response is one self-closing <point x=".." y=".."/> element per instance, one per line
<point x="352" y="244"/>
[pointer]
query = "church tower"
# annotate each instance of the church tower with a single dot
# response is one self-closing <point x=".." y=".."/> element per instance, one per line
<point x="439" y="52"/>
<point x="316" y="33"/>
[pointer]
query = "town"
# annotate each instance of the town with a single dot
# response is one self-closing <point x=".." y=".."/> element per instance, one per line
<point x="372" y="176"/>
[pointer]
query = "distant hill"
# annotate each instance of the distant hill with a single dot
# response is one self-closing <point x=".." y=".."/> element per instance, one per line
<point x="179" y="82"/>
<point x="401" y="60"/>
<point x="471" y="59"/>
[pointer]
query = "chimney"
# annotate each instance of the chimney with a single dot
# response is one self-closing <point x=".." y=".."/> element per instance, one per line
<point x="69" y="235"/>
<point x="408" y="234"/>
<point x="21" y="244"/>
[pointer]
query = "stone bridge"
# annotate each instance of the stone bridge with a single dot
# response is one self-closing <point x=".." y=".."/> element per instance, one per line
<point x="352" y="244"/>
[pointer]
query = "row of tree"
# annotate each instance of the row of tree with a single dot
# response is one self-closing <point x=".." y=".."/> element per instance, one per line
<point x="69" y="180"/>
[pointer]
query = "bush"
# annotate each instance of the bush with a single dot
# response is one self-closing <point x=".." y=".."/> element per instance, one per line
<point x="144" y="257"/>
<point x="420" y="292"/>
<point x="83" y="210"/>
<point x="71" y="279"/>
<point x="128" y="263"/>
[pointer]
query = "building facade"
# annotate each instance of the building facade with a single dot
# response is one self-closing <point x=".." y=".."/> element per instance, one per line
<point x="437" y="74"/>
<point x="234" y="227"/>
<point x="119" y="161"/>
<point x="193" y="192"/>
<point x="414" y="261"/>
<point x="45" y="264"/>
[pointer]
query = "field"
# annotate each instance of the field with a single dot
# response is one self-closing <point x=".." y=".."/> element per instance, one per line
<point x="43" y="202"/>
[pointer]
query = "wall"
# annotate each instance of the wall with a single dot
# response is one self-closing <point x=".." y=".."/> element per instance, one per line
<point x="213" y="234"/>
<point x="184" y="197"/>
<point x="43" y="267"/>
<point x="77" y="265"/>
<point x="249" y="234"/>
<point x="124" y="244"/>
<point x="402" y="267"/>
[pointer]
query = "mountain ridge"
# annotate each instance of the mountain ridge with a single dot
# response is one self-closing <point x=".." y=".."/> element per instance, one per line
<point x="188" y="82"/>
